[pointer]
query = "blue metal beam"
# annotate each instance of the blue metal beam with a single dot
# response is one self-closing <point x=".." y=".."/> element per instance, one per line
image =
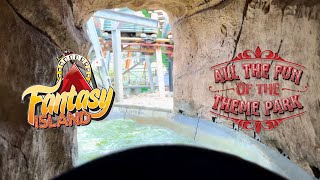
<point x="93" y="36"/>
<point x="117" y="63"/>
<point x="92" y="33"/>
<point x="128" y="18"/>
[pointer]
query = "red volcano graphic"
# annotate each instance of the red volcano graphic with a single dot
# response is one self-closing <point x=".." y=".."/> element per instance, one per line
<point x="74" y="77"/>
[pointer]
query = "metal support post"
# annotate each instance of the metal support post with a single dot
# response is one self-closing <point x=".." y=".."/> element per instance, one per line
<point x="147" y="59"/>
<point x="116" y="46"/>
<point x="160" y="71"/>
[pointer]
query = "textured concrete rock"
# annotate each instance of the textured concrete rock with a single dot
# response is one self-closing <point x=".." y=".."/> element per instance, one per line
<point x="206" y="32"/>
<point x="292" y="29"/>
<point x="55" y="20"/>
<point x="177" y="9"/>
<point x="27" y="58"/>
<point x="218" y="34"/>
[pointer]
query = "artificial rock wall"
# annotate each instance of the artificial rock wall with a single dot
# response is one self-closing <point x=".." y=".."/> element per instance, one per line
<point x="33" y="33"/>
<point x="218" y="34"/>
<point x="28" y="50"/>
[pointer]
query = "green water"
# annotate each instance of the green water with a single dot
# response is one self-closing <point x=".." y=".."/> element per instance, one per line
<point x="104" y="137"/>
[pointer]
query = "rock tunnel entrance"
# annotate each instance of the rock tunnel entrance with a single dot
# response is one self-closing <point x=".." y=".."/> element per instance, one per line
<point x="206" y="33"/>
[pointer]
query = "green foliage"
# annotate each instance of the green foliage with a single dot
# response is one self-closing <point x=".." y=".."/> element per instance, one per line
<point x="165" y="59"/>
<point x="145" y="13"/>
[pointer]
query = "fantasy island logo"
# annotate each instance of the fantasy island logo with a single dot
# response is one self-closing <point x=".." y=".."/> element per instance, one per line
<point x="266" y="85"/>
<point x="71" y="99"/>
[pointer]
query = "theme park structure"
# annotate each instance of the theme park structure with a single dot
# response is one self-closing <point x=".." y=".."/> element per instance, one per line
<point x="131" y="51"/>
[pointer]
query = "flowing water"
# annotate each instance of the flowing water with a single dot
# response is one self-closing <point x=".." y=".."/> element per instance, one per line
<point x="108" y="136"/>
<point x="104" y="137"/>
